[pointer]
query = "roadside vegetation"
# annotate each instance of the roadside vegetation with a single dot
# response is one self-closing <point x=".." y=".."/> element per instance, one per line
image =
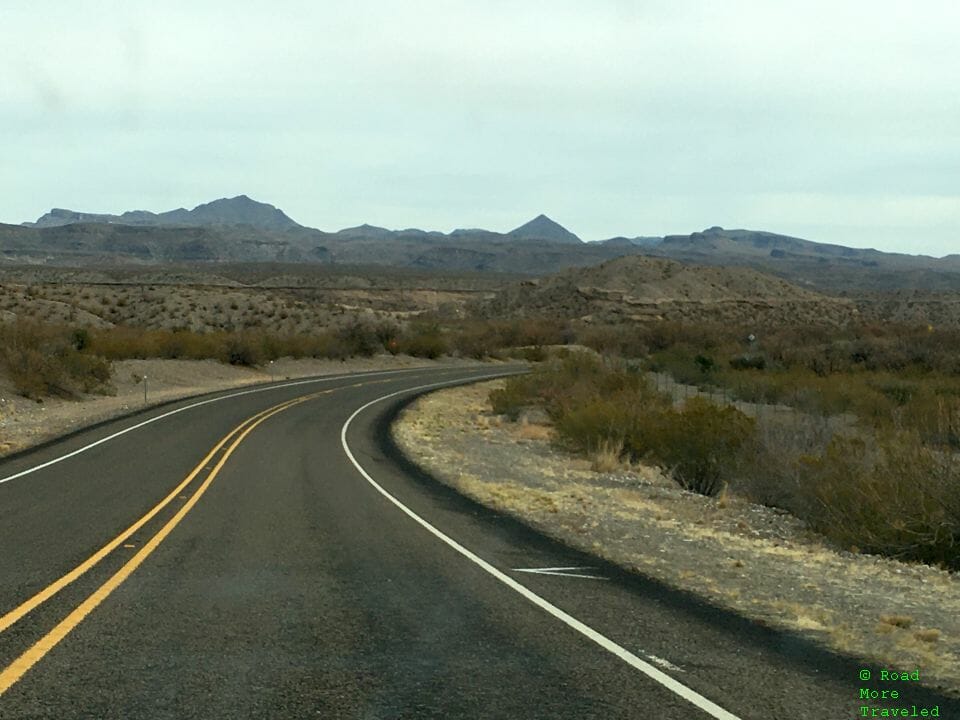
<point x="855" y="431"/>
<point x="56" y="359"/>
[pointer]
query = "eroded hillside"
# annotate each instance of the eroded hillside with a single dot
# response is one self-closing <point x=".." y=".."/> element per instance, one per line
<point x="642" y="288"/>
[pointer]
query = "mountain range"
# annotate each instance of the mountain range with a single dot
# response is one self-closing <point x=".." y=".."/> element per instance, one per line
<point x="240" y="210"/>
<point x="240" y="229"/>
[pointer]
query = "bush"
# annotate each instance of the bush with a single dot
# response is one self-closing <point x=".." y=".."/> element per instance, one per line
<point x="359" y="338"/>
<point x="243" y="350"/>
<point x="597" y="405"/>
<point x="889" y="495"/>
<point x="700" y="443"/>
<point x="44" y="360"/>
<point x="602" y="422"/>
<point x="772" y="468"/>
<point x="748" y="362"/>
<point x="423" y="340"/>
<point x="510" y="400"/>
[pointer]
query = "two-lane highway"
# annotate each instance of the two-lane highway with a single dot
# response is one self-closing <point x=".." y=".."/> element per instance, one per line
<point x="265" y="553"/>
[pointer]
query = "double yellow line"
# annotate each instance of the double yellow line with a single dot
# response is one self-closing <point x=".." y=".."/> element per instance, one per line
<point x="13" y="672"/>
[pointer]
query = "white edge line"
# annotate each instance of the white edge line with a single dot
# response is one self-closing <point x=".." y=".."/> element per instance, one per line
<point x="117" y="434"/>
<point x="691" y="696"/>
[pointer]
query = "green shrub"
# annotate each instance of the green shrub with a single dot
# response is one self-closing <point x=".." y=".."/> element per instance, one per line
<point x="748" y="362"/>
<point x="602" y="422"/>
<point x="700" y="443"/>
<point x="510" y="400"/>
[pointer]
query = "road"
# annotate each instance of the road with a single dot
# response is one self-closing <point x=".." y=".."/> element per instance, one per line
<point x="266" y="553"/>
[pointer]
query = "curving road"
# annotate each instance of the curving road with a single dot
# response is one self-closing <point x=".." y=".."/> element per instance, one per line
<point x="267" y="554"/>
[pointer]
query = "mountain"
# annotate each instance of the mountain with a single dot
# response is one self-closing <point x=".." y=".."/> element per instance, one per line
<point x="543" y="229"/>
<point x="240" y="229"/>
<point x="639" y="288"/>
<point x="642" y="241"/>
<point x="239" y="210"/>
<point x="824" y="266"/>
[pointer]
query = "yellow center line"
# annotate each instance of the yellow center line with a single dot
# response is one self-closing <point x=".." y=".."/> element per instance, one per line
<point x="48" y="592"/>
<point x="13" y="672"/>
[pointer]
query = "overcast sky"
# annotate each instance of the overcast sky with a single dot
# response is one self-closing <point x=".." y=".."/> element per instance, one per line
<point x="836" y="121"/>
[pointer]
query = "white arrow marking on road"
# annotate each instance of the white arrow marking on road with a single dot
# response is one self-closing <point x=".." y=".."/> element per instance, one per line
<point x="561" y="571"/>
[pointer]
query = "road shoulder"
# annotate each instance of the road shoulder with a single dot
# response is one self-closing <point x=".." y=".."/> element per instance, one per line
<point x="758" y="562"/>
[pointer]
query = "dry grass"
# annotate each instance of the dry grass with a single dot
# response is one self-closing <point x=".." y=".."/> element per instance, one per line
<point x="526" y="430"/>
<point x="607" y="457"/>
<point x="929" y="635"/>
<point x="900" y="621"/>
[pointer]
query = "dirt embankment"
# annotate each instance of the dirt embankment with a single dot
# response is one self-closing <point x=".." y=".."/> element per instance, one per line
<point x="756" y="561"/>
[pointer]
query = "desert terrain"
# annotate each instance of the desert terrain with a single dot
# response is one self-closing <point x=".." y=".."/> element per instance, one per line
<point x="79" y="340"/>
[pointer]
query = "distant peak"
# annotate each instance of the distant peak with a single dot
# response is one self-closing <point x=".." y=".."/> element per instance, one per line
<point x="543" y="228"/>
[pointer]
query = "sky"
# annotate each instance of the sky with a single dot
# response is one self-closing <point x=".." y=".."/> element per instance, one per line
<point x="834" y="121"/>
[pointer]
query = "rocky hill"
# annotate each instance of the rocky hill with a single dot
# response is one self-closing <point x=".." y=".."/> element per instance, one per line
<point x="822" y="266"/>
<point x="543" y="229"/>
<point x="644" y="288"/>
<point x="239" y="210"/>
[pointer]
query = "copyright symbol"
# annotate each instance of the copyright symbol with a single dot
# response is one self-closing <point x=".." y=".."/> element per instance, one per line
<point x="864" y="674"/>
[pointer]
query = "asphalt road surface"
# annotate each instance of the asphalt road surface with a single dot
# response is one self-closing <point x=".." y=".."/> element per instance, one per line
<point x="266" y="553"/>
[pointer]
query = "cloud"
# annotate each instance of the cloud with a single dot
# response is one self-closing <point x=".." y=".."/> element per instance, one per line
<point x="626" y="118"/>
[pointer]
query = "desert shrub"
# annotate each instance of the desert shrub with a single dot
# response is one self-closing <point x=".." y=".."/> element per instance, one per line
<point x="608" y="340"/>
<point x="601" y="422"/>
<point x="91" y="373"/>
<point x="704" y="363"/>
<point x="748" y="362"/>
<point x="386" y="333"/>
<point x="545" y="387"/>
<point x="773" y="467"/>
<point x="44" y="360"/>
<point x="476" y="340"/>
<point x="681" y="364"/>
<point x="243" y="349"/>
<point x="489" y="338"/>
<point x="935" y="416"/>
<point x="80" y="338"/>
<point x="359" y="338"/>
<point x="597" y="404"/>
<point x="510" y="400"/>
<point x="542" y="331"/>
<point x="889" y="495"/>
<point x="534" y="353"/>
<point x="423" y="340"/>
<point x="700" y="443"/>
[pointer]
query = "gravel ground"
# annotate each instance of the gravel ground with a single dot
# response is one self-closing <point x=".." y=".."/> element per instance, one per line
<point x="760" y="562"/>
<point x="24" y="422"/>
